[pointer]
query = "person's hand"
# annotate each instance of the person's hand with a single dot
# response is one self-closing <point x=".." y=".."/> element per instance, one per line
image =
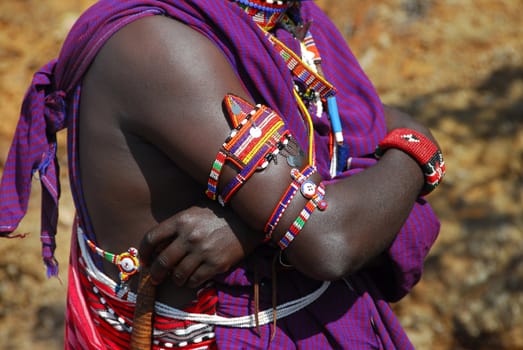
<point x="196" y="244"/>
<point x="397" y="119"/>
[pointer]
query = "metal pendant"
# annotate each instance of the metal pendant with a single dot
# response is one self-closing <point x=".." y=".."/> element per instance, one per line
<point x="297" y="160"/>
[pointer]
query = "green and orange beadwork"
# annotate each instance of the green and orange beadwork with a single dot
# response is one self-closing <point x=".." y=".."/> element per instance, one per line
<point x="127" y="262"/>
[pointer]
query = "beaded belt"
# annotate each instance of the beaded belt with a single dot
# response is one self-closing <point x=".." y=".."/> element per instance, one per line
<point x="248" y="321"/>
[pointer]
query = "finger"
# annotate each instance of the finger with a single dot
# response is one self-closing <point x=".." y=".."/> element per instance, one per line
<point x="156" y="239"/>
<point x="185" y="268"/>
<point x="166" y="260"/>
<point x="202" y="274"/>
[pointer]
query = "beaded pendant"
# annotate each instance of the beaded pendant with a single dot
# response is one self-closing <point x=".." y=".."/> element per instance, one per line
<point x="127" y="262"/>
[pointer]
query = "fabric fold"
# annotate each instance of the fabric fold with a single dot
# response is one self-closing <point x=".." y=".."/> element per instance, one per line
<point x="33" y="153"/>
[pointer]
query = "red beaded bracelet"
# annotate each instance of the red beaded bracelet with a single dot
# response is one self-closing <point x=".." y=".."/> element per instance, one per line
<point x="423" y="150"/>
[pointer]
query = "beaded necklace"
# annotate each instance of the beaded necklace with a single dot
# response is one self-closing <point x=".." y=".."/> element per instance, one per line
<point x="310" y="84"/>
<point x="266" y="13"/>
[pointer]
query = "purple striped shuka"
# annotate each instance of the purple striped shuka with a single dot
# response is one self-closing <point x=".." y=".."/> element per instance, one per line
<point x="353" y="313"/>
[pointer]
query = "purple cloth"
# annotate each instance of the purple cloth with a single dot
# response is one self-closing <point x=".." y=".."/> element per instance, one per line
<point x="352" y="315"/>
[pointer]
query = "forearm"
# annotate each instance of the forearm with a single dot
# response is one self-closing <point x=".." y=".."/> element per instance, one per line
<point x="365" y="210"/>
<point x="365" y="213"/>
<point x="188" y="124"/>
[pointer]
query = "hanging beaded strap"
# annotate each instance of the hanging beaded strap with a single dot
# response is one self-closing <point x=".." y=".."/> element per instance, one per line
<point x="310" y="80"/>
<point x="127" y="262"/>
<point x="298" y="178"/>
<point x="303" y="73"/>
<point x="315" y="194"/>
<point x="259" y="134"/>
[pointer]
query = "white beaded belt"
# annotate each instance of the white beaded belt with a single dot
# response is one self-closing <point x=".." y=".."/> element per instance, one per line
<point x="249" y="321"/>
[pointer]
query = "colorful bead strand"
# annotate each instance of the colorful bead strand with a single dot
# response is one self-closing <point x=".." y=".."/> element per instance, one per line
<point x="127" y="262"/>
<point x="298" y="177"/>
<point x="316" y="201"/>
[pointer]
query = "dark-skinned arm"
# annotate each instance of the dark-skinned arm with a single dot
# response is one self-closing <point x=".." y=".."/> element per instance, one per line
<point x="173" y="99"/>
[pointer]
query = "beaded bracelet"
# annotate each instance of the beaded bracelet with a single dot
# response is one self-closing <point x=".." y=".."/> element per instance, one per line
<point x="258" y="135"/>
<point x="214" y="176"/>
<point x="316" y="193"/>
<point x="298" y="178"/>
<point x="423" y="150"/>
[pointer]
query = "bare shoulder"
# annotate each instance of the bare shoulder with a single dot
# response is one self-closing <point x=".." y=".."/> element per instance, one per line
<point x="151" y="54"/>
<point x="168" y="82"/>
<point x="151" y="108"/>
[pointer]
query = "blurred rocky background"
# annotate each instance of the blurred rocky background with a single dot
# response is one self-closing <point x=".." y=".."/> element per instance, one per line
<point x="457" y="65"/>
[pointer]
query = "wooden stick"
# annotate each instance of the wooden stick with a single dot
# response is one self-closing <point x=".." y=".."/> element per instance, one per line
<point x="141" y="337"/>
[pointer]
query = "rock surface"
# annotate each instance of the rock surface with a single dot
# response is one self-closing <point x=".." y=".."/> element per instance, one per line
<point x="457" y="65"/>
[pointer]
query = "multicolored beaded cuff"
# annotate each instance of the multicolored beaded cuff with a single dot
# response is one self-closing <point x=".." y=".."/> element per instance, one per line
<point x="298" y="178"/>
<point x="316" y="193"/>
<point x="259" y="134"/>
<point x="423" y="150"/>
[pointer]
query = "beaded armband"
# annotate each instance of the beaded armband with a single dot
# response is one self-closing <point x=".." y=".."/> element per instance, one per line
<point x="423" y="150"/>
<point x="298" y="178"/>
<point x="315" y="194"/>
<point x="258" y="135"/>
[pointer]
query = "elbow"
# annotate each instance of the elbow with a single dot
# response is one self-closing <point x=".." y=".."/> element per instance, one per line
<point x="328" y="271"/>
<point x="336" y="265"/>
<point x="330" y="260"/>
